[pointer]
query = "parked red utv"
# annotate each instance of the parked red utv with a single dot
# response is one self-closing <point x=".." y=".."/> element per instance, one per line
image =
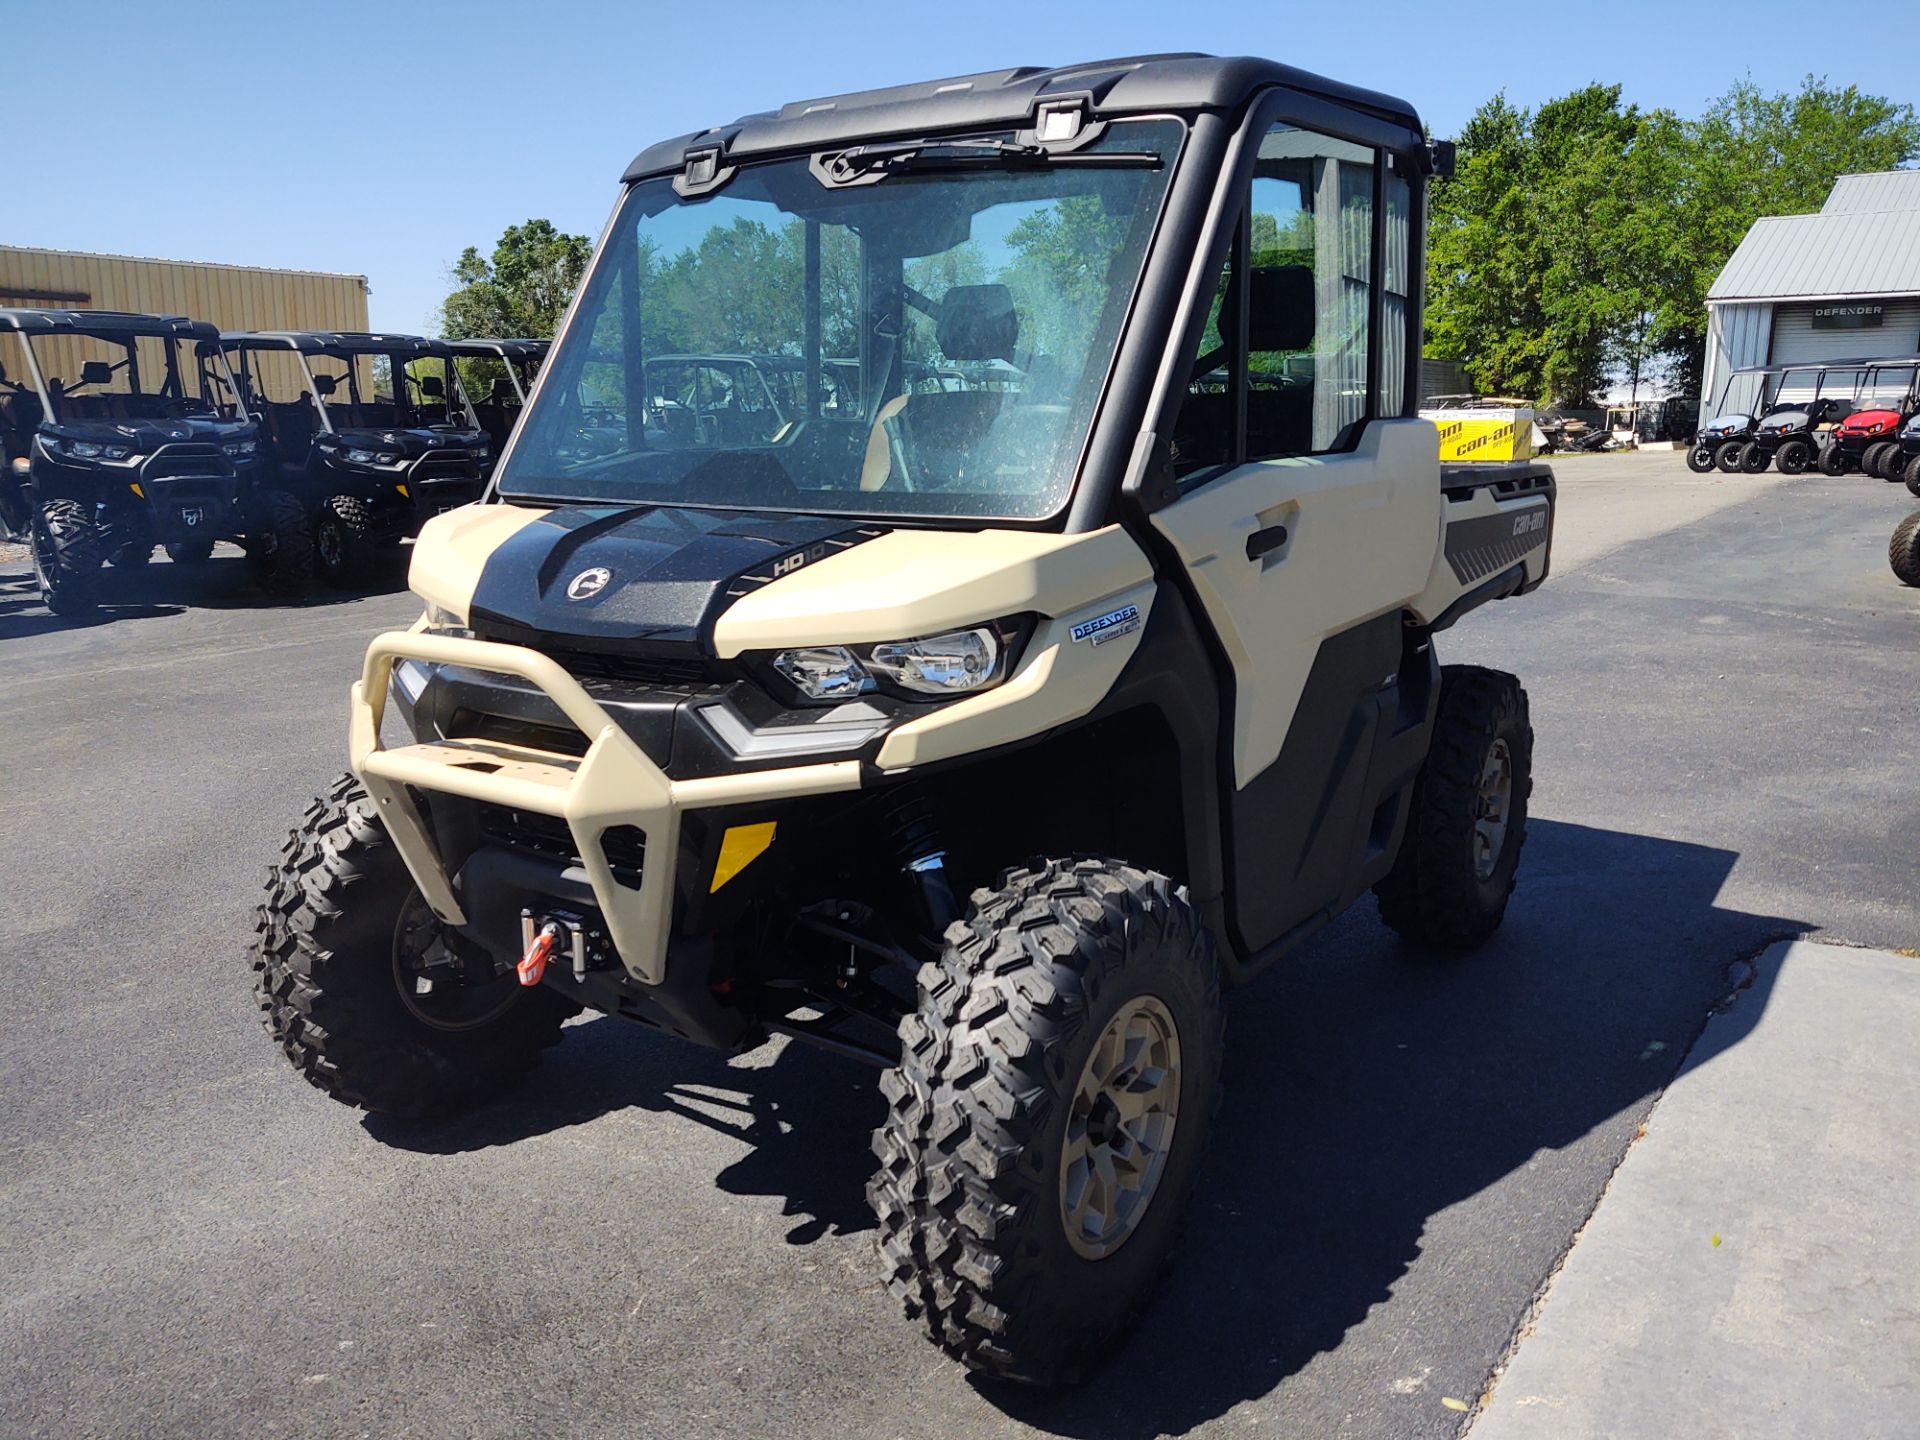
<point x="1868" y="439"/>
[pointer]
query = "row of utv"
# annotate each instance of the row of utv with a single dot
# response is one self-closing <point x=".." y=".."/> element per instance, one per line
<point x="315" y="452"/>
<point x="1837" y="416"/>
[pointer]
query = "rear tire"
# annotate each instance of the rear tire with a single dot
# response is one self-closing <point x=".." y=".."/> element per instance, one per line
<point x="66" y="545"/>
<point x="1700" y="459"/>
<point x="1003" y="1191"/>
<point x="327" y="964"/>
<point x="1903" y="551"/>
<point x="1870" y="458"/>
<point x="190" y="552"/>
<point x="1727" y="457"/>
<point x="1794" y="457"/>
<point x="343" y="540"/>
<point x="1455" y="871"/>
<point x="281" y="554"/>
<point x="1753" y="460"/>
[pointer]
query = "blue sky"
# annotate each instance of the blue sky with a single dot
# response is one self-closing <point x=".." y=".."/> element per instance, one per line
<point x="381" y="138"/>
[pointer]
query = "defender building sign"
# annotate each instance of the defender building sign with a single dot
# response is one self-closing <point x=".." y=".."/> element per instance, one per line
<point x="1868" y="315"/>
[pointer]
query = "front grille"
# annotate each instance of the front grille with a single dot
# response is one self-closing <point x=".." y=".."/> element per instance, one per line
<point x="547" y="837"/>
<point x="196" y="462"/>
<point x="654" y="672"/>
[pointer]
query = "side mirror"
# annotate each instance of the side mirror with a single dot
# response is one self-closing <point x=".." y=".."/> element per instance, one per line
<point x="432" y="387"/>
<point x="96" y="372"/>
<point x="1444" y="158"/>
<point x="326" y="384"/>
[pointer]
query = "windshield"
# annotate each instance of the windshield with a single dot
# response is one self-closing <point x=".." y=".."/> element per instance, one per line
<point x="131" y="377"/>
<point x="358" y="390"/>
<point x="930" y="342"/>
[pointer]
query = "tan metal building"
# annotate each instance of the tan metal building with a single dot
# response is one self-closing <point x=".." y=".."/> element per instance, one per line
<point x="233" y="297"/>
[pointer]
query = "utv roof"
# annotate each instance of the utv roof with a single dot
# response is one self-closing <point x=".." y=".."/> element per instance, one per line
<point x="104" y="322"/>
<point x="1867" y="362"/>
<point x="321" y="342"/>
<point x="522" y="349"/>
<point x="1141" y="84"/>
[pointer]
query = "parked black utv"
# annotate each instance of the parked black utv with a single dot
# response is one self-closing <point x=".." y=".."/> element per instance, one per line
<point x="365" y="438"/>
<point x="120" y="432"/>
<point x="497" y="376"/>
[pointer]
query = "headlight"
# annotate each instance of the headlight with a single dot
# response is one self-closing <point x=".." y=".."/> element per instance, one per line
<point x="956" y="663"/>
<point x="824" y="672"/>
<point x="442" y="621"/>
<point x="115" y="452"/>
<point x="83" y="449"/>
<point x="241" y="447"/>
<point x="372" y="457"/>
<point x="941" y="665"/>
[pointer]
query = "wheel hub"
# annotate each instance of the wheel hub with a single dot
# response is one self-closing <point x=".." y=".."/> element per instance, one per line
<point x="1492" y="808"/>
<point x="1120" y="1127"/>
<point x="432" y="976"/>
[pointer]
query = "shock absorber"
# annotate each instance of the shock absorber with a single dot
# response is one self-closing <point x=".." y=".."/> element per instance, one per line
<point x="916" y="840"/>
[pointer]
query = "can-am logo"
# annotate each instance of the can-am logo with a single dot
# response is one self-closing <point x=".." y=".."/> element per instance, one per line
<point x="1849" y="317"/>
<point x="588" y="583"/>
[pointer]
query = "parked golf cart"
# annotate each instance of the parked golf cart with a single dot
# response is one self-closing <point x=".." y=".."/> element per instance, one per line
<point x="1869" y="439"/>
<point x="365" y="438"/>
<point x="120" y="432"/>
<point x="1719" y="442"/>
<point x="497" y="376"/>
<point x="1802" y="405"/>
<point x="1904" y="463"/>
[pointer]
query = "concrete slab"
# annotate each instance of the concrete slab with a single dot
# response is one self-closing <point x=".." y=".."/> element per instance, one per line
<point x="1754" y="1268"/>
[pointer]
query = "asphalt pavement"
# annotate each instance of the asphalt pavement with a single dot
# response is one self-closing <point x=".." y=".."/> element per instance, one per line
<point x="650" y="1239"/>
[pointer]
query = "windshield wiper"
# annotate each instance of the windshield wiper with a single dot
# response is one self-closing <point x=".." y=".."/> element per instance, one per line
<point x="922" y="155"/>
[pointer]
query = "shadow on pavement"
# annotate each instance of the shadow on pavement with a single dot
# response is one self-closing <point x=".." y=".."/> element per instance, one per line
<point x="1368" y="1087"/>
<point x="161" y="588"/>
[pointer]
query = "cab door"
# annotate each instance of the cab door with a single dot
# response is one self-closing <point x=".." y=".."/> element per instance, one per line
<point x="1305" y="545"/>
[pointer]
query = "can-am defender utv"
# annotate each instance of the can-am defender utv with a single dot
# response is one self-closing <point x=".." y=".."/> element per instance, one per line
<point x="120" y="432"/>
<point x="1869" y="439"/>
<point x="498" y="376"/>
<point x="366" y="437"/>
<point x="983" y="734"/>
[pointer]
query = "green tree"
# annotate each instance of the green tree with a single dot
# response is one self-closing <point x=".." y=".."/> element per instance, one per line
<point x="522" y="289"/>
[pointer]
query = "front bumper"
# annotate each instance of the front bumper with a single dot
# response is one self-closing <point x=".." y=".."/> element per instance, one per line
<point x="614" y="785"/>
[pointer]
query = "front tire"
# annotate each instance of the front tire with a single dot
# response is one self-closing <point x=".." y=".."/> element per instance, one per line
<point x="1727" y="457"/>
<point x="1913" y="476"/>
<point x="343" y="540"/>
<point x="1753" y="459"/>
<point x="1700" y="459"/>
<point x="66" y="545"/>
<point x="343" y="942"/>
<point x="1903" y="551"/>
<point x="1467" y="821"/>
<point x="1794" y="457"/>
<point x="1833" y="460"/>
<point x="1048" y="1116"/>
<point x="280" y="546"/>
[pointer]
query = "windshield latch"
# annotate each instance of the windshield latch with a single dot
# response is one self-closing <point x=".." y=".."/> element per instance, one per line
<point x="702" y="173"/>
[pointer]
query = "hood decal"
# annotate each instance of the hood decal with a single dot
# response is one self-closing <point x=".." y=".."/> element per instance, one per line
<point x="643" y="573"/>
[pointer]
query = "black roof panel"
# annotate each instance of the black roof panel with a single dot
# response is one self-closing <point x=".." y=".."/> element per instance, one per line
<point x="514" y="349"/>
<point x="1140" y="84"/>
<point x="104" y="323"/>
<point x="319" y="342"/>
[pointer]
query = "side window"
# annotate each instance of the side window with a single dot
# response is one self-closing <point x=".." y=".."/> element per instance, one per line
<point x="1310" y="268"/>
<point x="1203" y="435"/>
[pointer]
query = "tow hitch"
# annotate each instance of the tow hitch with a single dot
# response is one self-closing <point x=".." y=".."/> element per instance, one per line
<point x="541" y="935"/>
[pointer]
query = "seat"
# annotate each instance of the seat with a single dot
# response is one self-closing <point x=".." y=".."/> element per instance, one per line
<point x="926" y="441"/>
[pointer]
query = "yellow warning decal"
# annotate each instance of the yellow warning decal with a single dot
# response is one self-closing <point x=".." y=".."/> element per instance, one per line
<point x="739" y="848"/>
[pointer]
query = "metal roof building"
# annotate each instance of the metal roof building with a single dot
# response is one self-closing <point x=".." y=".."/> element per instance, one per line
<point x="1841" y="283"/>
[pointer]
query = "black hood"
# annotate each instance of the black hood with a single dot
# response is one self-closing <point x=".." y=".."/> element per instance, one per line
<point x="412" y="442"/>
<point x="644" y="573"/>
<point x="149" y="435"/>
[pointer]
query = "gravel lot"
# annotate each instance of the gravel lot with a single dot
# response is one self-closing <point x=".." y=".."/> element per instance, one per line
<point x="650" y="1239"/>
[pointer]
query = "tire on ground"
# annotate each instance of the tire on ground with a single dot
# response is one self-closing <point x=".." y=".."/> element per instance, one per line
<point x="343" y="539"/>
<point x="1437" y="893"/>
<point x="969" y="1194"/>
<point x="1754" y="459"/>
<point x="1913" y="475"/>
<point x="1794" y="456"/>
<point x="1700" y="459"/>
<point x="1871" y="457"/>
<point x="66" y="547"/>
<point x="189" y="552"/>
<point x="1833" y="460"/>
<point x="280" y="545"/>
<point x="326" y="976"/>
<point x="1903" y="551"/>
<point x="1727" y="457"/>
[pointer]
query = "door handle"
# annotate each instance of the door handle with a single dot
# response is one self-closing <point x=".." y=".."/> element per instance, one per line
<point x="1263" y="543"/>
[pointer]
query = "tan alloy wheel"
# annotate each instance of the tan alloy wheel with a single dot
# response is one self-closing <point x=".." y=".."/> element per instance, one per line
<point x="1120" y="1129"/>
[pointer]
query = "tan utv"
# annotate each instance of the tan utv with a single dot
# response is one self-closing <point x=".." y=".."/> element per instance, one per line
<point x="1060" y="653"/>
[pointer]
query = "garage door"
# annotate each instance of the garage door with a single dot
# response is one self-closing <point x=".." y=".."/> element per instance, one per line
<point x="1795" y="338"/>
